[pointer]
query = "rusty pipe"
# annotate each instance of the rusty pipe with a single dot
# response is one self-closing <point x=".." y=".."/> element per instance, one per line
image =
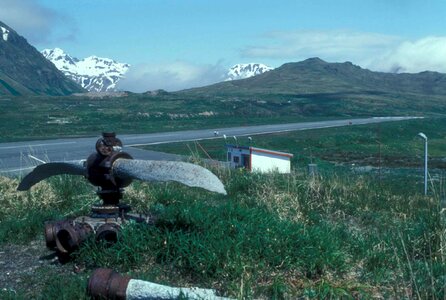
<point x="51" y="229"/>
<point x="71" y="235"/>
<point x="108" y="284"/>
<point x="67" y="235"/>
<point x="108" y="233"/>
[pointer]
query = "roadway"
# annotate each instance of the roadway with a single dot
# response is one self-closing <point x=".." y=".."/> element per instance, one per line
<point x="19" y="158"/>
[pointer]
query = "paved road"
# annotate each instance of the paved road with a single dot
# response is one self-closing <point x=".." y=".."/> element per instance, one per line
<point x="20" y="157"/>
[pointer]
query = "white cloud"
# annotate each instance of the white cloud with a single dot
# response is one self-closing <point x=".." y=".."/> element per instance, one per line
<point x="428" y="53"/>
<point x="34" y="21"/>
<point x="170" y="77"/>
<point x="331" y="45"/>
<point x="378" y="52"/>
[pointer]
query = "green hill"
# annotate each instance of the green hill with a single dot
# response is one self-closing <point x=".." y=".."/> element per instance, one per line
<point x="24" y="71"/>
<point x="317" y="76"/>
<point x="314" y="87"/>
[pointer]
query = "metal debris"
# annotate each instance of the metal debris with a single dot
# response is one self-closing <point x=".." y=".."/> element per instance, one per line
<point x="47" y="170"/>
<point x="112" y="170"/>
<point x="185" y="173"/>
<point x="108" y="284"/>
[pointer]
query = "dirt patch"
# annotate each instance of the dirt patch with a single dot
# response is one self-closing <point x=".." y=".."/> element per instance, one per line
<point x="23" y="266"/>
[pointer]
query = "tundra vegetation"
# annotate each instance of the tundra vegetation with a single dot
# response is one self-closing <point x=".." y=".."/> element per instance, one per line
<point x="345" y="233"/>
<point x="43" y="117"/>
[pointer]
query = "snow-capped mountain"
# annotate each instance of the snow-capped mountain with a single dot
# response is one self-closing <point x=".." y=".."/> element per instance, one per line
<point x="240" y="71"/>
<point x="93" y="73"/>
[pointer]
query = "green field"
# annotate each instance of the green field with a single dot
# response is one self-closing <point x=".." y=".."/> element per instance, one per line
<point x="26" y="118"/>
<point x="342" y="234"/>
<point x="393" y="144"/>
<point x="55" y="117"/>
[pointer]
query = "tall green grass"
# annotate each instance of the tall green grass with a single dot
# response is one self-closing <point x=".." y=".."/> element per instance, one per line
<point x="286" y="236"/>
<point x="274" y="236"/>
<point x="23" y="214"/>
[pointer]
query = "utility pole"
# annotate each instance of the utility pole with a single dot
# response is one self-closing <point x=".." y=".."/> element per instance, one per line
<point x="424" y="137"/>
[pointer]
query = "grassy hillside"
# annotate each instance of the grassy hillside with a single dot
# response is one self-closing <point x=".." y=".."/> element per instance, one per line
<point x="51" y="117"/>
<point x="24" y="70"/>
<point x="313" y="76"/>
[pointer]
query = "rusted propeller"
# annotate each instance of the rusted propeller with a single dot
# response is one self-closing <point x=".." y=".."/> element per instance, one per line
<point x="143" y="170"/>
<point x="111" y="169"/>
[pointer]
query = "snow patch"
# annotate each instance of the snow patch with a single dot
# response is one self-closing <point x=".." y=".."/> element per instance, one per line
<point x="5" y="33"/>
<point x="241" y="71"/>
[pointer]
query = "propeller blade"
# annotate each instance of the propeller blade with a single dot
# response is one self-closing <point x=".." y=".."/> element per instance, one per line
<point x="44" y="171"/>
<point x="154" y="170"/>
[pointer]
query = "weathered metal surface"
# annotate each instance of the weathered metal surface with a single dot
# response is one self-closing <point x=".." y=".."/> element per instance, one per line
<point x="107" y="284"/>
<point x="51" y="229"/>
<point x="111" y="170"/>
<point x="143" y="290"/>
<point x="99" y="171"/>
<point x="185" y="173"/>
<point x="71" y="235"/>
<point x="66" y="236"/>
<point x="47" y="170"/>
<point x="108" y="143"/>
<point x="108" y="232"/>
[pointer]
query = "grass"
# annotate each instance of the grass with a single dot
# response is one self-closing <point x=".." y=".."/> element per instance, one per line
<point x="342" y="234"/>
<point x="23" y="213"/>
<point x="393" y="144"/>
<point x="43" y="117"/>
<point x="74" y="116"/>
<point x="276" y="236"/>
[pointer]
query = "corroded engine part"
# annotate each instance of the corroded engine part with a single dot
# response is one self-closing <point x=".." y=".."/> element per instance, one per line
<point x="51" y="229"/>
<point x="112" y="170"/>
<point x="108" y="232"/>
<point x="67" y="236"/>
<point x="99" y="168"/>
<point x="108" y="284"/>
<point x="70" y="236"/>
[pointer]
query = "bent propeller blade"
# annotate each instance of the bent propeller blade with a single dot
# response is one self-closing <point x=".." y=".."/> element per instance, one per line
<point x="153" y="170"/>
<point x="47" y="170"/>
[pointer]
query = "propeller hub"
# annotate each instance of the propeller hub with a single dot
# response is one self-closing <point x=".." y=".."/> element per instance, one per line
<point x="100" y="168"/>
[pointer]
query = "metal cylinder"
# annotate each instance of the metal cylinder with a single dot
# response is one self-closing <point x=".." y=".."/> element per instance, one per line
<point x="107" y="284"/>
<point x="108" y="232"/>
<point x="71" y="235"/>
<point x="51" y="229"/>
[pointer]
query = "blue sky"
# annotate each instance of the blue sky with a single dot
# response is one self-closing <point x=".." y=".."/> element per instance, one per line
<point x="179" y="44"/>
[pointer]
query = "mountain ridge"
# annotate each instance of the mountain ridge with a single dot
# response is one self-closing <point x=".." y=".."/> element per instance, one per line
<point x="95" y="74"/>
<point x="24" y="71"/>
<point x="315" y="75"/>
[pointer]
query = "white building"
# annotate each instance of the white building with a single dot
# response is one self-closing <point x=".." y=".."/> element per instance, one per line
<point x="258" y="160"/>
